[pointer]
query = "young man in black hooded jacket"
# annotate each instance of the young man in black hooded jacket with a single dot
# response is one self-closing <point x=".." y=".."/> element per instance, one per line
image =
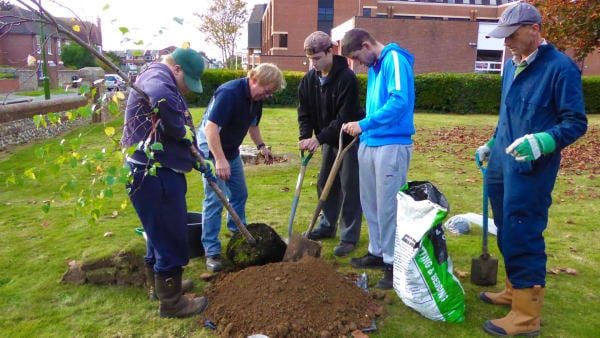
<point x="329" y="97"/>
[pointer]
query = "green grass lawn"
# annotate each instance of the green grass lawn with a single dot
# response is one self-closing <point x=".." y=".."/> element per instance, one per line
<point x="35" y="247"/>
<point x="40" y="91"/>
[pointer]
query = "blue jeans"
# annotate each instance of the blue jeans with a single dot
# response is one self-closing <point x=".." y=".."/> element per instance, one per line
<point x="237" y="193"/>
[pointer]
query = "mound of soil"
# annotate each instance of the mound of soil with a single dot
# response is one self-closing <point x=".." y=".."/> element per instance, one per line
<point x="269" y="247"/>
<point x="307" y="298"/>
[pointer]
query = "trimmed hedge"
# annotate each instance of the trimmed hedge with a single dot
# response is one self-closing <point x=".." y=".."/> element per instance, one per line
<point x="440" y="92"/>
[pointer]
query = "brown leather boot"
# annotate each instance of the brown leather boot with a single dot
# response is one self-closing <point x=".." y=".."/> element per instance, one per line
<point x="524" y="316"/>
<point x="173" y="304"/>
<point x="503" y="297"/>
<point x="186" y="284"/>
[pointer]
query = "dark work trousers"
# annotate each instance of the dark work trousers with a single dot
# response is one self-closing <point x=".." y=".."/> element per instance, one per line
<point x="344" y="197"/>
<point x="160" y="204"/>
<point x="520" y="199"/>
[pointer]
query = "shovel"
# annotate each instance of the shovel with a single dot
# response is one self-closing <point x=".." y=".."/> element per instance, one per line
<point x="299" y="245"/>
<point x="303" y="164"/>
<point x="234" y="216"/>
<point x="484" y="269"/>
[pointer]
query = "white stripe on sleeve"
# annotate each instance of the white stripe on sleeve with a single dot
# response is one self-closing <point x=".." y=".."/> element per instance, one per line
<point x="396" y="69"/>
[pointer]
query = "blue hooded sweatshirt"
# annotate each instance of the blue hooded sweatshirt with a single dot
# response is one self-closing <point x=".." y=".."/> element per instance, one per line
<point x="390" y="99"/>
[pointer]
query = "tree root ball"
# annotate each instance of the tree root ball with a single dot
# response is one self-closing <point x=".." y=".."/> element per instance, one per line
<point x="269" y="247"/>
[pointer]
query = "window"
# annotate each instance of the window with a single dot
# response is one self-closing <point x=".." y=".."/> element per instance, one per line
<point x="325" y="16"/>
<point x="366" y="12"/>
<point x="58" y="46"/>
<point x="49" y="46"/>
<point x="283" y="40"/>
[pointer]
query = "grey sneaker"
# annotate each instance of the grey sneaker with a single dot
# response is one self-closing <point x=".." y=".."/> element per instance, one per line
<point x="343" y="249"/>
<point x="213" y="263"/>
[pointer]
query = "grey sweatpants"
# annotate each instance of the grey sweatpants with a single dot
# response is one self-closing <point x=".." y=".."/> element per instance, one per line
<point x="382" y="172"/>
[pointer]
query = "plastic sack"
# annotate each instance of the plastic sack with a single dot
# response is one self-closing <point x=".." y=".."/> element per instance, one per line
<point x="423" y="275"/>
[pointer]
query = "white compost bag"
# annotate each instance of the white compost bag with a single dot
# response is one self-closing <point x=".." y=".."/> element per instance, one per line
<point x="423" y="275"/>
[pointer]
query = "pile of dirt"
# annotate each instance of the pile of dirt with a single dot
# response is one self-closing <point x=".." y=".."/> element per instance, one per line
<point x="307" y="298"/>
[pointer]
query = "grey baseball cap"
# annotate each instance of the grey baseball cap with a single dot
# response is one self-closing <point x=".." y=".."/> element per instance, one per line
<point x="513" y="18"/>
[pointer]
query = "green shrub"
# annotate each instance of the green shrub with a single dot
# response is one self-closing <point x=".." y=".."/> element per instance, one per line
<point x="439" y="92"/>
<point x="591" y="93"/>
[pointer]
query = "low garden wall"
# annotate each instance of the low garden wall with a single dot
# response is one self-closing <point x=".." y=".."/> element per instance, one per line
<point x="17" y="125"/>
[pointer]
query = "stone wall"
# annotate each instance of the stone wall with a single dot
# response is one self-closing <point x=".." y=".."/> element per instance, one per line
<point x="27" y="79"/>
<point x="65" y="77"/>
<point x="24" y="130"/>
<point x="17" y="126"/>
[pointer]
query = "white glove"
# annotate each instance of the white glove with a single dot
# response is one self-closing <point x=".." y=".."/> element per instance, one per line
<point x="483" y="153"/>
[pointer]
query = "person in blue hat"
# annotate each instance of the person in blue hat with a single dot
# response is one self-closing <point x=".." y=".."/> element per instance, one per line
<point x="158" y="186"/>
<point x="542" y="112"/>
<point x="234" y="110"/>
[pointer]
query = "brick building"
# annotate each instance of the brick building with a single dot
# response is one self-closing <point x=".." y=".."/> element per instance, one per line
<point x="444" y="35"/>
<point x="19" y="39"/>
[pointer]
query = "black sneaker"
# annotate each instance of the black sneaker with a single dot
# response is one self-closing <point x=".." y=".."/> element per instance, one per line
<point x="320" y="233"/>
<point x="368" y="261"/>
<point x="387" y="282"/>
<point x="343" y="249"/>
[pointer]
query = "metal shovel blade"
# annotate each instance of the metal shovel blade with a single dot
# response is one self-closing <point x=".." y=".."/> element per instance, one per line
<point x="484" y="270"/>
<point x="300" y="246"/>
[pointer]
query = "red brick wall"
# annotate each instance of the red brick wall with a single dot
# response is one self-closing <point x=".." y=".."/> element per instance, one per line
<point x="14" y="49"/>
<point x="438" y="46"/>
<point x="9" y="85"/>
<point x="295" y="63"/>
<point x="591" y="64"/>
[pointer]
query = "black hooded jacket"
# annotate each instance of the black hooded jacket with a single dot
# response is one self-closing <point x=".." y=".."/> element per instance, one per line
<point x="324" y="108"/>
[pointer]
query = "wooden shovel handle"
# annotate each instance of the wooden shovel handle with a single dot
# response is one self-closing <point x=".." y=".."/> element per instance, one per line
<point x="337" y="163"/>
<point x="234" y="216"/>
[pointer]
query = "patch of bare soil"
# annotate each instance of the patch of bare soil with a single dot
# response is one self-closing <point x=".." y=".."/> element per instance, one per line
<point x="581" y="157"/>
<point x="307" y="298"/>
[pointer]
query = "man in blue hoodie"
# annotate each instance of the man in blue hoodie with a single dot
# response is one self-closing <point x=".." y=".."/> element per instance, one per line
<point x="542" y="112"/>
<point x="160" y="127"/>
<point x="385" y="142"/>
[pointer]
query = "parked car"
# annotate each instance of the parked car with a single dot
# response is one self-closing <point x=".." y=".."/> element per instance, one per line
<point x="114" y="82"/>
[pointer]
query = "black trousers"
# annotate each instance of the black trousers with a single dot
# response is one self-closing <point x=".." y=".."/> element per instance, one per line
<point x="343" y="202"/>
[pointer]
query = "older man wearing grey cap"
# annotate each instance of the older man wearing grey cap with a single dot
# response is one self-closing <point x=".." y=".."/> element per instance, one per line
<point x="542" y="112"/>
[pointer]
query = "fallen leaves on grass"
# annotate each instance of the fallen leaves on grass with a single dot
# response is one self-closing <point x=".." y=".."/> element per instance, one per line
<point x="558" y="271"/>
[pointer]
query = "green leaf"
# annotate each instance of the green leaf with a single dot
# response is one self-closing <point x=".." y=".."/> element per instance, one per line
<point x="85" y="111"/>
<point x="54" y="118"/>
<point x="46" y="206"/>
<point x="137" y="52"/>
<point x="84" y="89"/>
<point x="113" y="108"/>
<point x="95" y="214"/>
<point x="152" y="171"/>
<point x="108" y="193"/>
<point x="157" y="146"/>
<point x="11" y="179"/>
<point x="124" y="30"/>
<point x="30" y="173"/>
<point x="110" y="180"/>
<point x="139" y="42"/>
<point x="112" y="170"/>
<point x="106" y="6"/>
<point x="69" y="116"/>
<point x="39" y="120"/>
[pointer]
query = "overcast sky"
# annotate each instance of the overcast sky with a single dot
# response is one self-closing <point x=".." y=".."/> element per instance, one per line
<point x="144" y="19"/>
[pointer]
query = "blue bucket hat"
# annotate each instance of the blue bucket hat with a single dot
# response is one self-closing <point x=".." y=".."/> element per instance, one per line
<point x="192" y="64"/>
<point x="513" y="18"/>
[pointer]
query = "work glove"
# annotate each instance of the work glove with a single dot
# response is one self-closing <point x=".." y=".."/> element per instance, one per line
<point x="189" y="134"/>
<point x="207" y="169"/>
<point x="531" y="146"/>
<point x="483" y="152"/>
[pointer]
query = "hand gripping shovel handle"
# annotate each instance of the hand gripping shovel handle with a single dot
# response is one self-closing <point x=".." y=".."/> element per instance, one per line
<point x="331" y="178"/>
<point x="213" y="184"/>
<point x="485" y="206"/>
<point x="303" y="165"/>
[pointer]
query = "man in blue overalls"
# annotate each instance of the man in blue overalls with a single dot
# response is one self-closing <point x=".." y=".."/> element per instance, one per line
<point x="158" y="187"/>
<point x="542" y="112"/>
